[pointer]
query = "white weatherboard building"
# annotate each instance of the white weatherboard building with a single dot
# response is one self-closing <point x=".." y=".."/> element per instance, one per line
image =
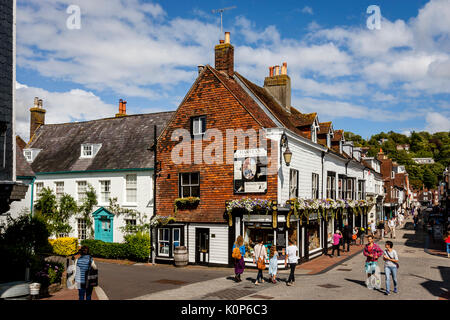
<point x="112" y="155"/>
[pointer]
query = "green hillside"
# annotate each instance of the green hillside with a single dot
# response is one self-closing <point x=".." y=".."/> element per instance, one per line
<point x="422" y="145"/>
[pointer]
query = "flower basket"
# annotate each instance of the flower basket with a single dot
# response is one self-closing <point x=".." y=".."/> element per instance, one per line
<point x="186" y="203"/>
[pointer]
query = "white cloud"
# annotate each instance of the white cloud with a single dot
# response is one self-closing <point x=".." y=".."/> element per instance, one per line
<point x="437" y="122"/>
<point x="73" y="105"/>
<point x="307" y="10"/>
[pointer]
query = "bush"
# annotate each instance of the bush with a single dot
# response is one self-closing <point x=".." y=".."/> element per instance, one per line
<point x="50" y="273"/>
<point x="64" y="246"/>
<point x="22" y="241"/>
<point x="138" y="246"/>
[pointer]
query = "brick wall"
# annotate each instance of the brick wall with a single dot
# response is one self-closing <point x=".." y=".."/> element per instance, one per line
<point x="209" y="97"/>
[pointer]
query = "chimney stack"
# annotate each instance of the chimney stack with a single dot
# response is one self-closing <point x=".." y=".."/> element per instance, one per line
<point x="37" y="116"/>
<point x="279" y="86"/>
<point x="122" y="109"/>
<point x="224" y="56"/>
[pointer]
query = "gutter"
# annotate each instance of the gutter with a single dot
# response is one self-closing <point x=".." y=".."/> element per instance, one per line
<point x="94" y="171"/>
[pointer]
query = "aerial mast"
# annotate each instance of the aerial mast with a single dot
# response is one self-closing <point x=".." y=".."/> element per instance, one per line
<point x="221" y="11"/>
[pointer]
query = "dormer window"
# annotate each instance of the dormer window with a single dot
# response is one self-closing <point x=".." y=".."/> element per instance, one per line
<point x="89" y="150"/>
<point x="392" y="174"/>
<point x="30" y="154"/>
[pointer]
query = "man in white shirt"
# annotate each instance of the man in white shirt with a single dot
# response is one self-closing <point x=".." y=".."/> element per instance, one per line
<point x="373" y="227"/>
<point x="292" y="258"/>
<point x="391" y="225"/>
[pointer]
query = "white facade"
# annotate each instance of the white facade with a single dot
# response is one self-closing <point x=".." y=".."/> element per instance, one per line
<point x="118" y="189"/>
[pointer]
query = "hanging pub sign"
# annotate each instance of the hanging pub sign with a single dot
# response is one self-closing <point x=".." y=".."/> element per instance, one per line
<point x="250" y="171"/>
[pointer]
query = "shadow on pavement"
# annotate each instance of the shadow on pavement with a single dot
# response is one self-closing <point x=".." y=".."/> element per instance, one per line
<point x="437" y="288"/>
<point x="363" y="283"/>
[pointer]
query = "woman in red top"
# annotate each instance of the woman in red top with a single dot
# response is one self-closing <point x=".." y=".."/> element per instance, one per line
<point x="447" y="242"/>
<point x="372" y="251"/>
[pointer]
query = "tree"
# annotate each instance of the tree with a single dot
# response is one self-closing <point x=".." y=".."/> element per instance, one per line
<point x="86" y="208"/>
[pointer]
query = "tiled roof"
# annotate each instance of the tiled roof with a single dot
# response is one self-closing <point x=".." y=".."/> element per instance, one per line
<point x="338" y="135"/>
<point x="125" y="142"/>
<point x="23" y="168"/>
<point x="304" y="119"/>
<point x="324" y="127"/>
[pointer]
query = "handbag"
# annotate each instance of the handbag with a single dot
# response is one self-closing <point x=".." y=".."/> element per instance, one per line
<point x="396" y="264"/>
<point x="261" y="263"/>
<point x="91" y="275"/>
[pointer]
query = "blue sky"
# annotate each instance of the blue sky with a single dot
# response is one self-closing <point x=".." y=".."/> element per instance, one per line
<point x="146" y="52"/>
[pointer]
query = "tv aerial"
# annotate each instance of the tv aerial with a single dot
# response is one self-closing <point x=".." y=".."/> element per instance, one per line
<point x="221" y="11"/>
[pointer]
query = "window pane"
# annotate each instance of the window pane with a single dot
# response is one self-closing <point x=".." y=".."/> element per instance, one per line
<point x="185" y="192"/>
<point x="185" y="179"/>
<point x="194" y="179"/>
<point x="195" y="191"/>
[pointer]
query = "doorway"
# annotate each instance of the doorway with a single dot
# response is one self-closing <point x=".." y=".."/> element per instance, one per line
<point x="202" y="246"/>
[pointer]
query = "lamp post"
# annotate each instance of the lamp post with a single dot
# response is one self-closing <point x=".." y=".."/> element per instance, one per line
<point x="287" y="154"/>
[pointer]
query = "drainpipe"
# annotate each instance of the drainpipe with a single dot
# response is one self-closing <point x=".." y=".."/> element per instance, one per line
<point x="323" y="156"/>
<point x="32" y="194"/>
<point x="155" y="170"/>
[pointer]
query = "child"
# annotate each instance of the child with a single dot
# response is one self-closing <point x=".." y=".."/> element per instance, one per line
<point x="336" y="238"/>
<point x="273" y="264"/>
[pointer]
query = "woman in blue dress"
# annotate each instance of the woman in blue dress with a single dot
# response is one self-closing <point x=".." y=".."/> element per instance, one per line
<point x="273" y="264"/>
<point x="239" y="264"/>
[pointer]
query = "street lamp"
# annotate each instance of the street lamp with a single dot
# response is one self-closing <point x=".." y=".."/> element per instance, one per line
<point x="287" y="155"/>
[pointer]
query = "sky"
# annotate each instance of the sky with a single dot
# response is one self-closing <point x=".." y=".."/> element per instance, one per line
<point x="394" y="77"/>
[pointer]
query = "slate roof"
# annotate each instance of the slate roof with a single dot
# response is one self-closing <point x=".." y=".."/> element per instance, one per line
<point x="125" y="143"/>
<point x="23" y="168"/>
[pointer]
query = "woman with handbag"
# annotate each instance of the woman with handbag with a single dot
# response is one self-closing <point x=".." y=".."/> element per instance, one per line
<point x="390" y="266"/>
<point x="83" y="267"/>
<point x="238" y="255"/>
<point x="260" y="255"/>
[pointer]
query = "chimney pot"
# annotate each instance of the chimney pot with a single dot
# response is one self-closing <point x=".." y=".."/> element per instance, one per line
<point x="227" y="37"/>
<point x="277" y="70"/>
<point x="270" y="71"/>
<point x="284" y="68"/>
<point x="36" y="102"/>
<point x="40" y="103"/>
<point x="221" y="41"/>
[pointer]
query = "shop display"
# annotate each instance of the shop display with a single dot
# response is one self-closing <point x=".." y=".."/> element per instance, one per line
<point x="314" y="236"/>
<point x="255" y="231"/>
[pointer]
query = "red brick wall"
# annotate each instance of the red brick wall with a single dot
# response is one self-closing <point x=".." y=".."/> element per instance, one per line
<point x="223" y="112"/>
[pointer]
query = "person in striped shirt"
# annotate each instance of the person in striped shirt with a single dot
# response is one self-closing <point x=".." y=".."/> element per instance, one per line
<point x="82" y="264"/>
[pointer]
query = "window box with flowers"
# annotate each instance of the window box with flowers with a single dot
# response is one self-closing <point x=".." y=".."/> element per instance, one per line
<point x="187" y="203"/>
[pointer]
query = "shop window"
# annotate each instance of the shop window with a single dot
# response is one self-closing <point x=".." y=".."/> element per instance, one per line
<point x="255" y="231"/>
<point x="163" y="241"/>
<point x="189" y="185"/>
<point x="293" y="184"/>
<point x="313" y="233"/>
<point x="330" y="229"/>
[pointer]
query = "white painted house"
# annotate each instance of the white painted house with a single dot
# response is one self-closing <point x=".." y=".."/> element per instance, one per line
<point x="112" y="155"/>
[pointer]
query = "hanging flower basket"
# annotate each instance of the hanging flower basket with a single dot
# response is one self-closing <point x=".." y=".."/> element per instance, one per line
<point x="248" y="205"/>
<point x="161" y="220"/>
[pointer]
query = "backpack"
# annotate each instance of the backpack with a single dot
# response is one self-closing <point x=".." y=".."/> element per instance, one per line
<point x="236" y="253"/>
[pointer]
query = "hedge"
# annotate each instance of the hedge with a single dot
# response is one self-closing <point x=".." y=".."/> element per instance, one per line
<point x="64" y="246"/>
<point x="135" y="248"/>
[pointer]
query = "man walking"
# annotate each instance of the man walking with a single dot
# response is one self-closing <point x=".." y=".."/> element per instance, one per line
<point x="392" y="227"/>
<point x="292" y="258"/>
<point x="347" y="237"/>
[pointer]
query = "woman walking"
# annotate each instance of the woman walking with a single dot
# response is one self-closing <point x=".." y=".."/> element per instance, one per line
<point x="336" y="239"/>
<point x="390" y="266"/>
<point x="260" y="257"/>
<point x="82" y="266"/>
<point x="273" y="264"/>
<point x="238" y="256"/>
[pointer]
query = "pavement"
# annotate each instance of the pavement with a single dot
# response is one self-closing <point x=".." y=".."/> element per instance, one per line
<point x="423" y="275"/>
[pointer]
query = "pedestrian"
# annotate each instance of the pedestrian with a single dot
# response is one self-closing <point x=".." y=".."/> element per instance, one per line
<point x="238" y="255"/>
<point x="347" y="237"/>
<point x="372" y="251"/>
<point x="380" y="228"/>
<point x="447" y="242"/>
<point x="82" y="266"/>
<point x="390" y="266"/>
<point x="361" y="235"/>
<point x="385" y="229"/>
<point x="373" y="228"/>
<point x="260" y="257"/>
<point x="292" y="258"/>
<point x="273" y="264"/>
<point x="355" y="235"/>
<point x="391" y="224"/>
<point x="416" y="220"/>
<point x="336" y="239"/>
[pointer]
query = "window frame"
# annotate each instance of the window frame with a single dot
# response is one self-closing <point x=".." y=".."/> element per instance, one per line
<point x="58" y="192"/>
<point x="291" y="171"/>
<point x="163" y="241"/>
<point x="83" y="230"/>
<point x="315" y="186"/>
<point x="331" y="185"/>
<point x="102" y="192"/>
<point x="181" y="186"/>
<point x="128" y="188"/>
<point x="203" y="125"/>
<point x="81" y="199"/>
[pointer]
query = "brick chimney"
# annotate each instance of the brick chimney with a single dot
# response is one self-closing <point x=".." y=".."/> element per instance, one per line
<point x="279" y="86"/>
<point x="122" y="109"/>
<point x="224" y="56"/>
<point x="37" y="116"/>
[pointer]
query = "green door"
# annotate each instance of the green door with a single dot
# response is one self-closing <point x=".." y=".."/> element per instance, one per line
<point x="103" y="226"/>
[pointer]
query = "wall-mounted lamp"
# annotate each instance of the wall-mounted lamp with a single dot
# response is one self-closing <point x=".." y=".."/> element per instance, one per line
<point x="287" y="155"/>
